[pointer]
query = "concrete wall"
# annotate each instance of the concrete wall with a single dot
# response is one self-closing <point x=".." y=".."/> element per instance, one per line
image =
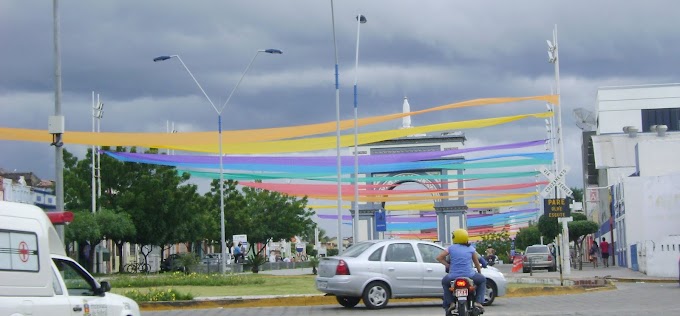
<point x="17" y="192"/>
<point x="614" y="121"/>
<point x="652" y="213"/>
<point x="652" y="207"/>
<point x="660" y="258"/>
<point x="621" y="106"/>
<point x="658" y="157"/>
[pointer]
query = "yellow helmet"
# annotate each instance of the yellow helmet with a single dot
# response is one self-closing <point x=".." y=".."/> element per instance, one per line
<point x="460" y="236"/>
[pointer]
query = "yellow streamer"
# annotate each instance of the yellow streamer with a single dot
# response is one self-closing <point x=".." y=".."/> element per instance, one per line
<point x="206" y="140"/>
<point x="329" y="142"/>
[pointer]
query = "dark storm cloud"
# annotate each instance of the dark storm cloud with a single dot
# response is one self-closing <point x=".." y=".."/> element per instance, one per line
<point x="434" y="52"/>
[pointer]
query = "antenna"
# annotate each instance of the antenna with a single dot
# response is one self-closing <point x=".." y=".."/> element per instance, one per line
<point x="585" y="119"/>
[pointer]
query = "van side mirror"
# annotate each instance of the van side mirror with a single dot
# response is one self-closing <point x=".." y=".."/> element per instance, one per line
<point x="104" y="287"/>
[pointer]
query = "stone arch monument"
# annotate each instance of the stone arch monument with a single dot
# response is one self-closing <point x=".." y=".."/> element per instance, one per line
<point x="450" y="208"/>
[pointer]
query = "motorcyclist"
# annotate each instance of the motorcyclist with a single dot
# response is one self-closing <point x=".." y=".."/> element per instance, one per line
<point x="460" y="254"/>
<point x="491" y="254"/>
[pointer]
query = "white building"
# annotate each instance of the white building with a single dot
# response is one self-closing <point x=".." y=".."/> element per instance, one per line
<point x="638" y="198"/>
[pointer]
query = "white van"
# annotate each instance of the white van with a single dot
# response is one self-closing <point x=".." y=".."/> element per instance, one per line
<point x="36" y="276"/>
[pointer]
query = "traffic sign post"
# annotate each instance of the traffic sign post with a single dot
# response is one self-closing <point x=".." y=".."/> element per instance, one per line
<point x="555" y="182"/>
<point x="566" y="266"/>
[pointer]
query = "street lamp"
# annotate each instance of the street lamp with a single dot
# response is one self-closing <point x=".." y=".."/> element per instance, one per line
<point x="97" y="114"/>
<point x="223" y="241"/>
<point x="553" y="58"/>
<point x="355" y="223"/>
<point x="337" y="133"/>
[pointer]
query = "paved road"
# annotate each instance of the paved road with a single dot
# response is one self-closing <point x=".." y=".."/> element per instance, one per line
<point x="628" y="299"/>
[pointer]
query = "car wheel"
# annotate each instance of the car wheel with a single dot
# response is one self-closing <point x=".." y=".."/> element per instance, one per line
<point x="491" y="290"/>
<point x="347" y="301"/>
<point x="376" y="295"/>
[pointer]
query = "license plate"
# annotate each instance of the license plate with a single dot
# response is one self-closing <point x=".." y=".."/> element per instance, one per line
<point x="461" y="292"/>
<point x="322" y="284"/>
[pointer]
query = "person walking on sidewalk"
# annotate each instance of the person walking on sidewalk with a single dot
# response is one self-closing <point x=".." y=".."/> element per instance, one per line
<point x="238" y="253"/>
<point x="604" y="248"/>
<point x="593" y="254"/>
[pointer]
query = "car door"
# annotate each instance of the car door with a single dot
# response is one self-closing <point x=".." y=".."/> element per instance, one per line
<point x="80" y="288"/>
<point x="402" y="268"/>
<point x="433" y="270"/>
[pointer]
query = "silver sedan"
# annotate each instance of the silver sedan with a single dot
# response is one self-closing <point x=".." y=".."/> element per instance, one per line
<point x="378" y="270"/>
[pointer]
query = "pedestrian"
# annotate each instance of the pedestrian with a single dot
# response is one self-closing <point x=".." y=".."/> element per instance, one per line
<point x="594" y="249"/>
<point x="604" y="248"/>
<point x="238" y="254"/>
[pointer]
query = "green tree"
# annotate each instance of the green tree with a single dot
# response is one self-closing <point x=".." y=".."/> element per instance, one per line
<point x="526" y="237"/>
<point x="156" y="198"/>
<point x="77" y="181"/>
<point x="500" y="241"/>
<point x="117" y="227"/>
<point x="234" y="203"/>
<point x="578" y="194"/>
<point x="85" y="231"/>
<point x="274" y="216"/>
<point x="578" y="230"/>
<point x="308" y="234"/>
<point x="548" y="227"/>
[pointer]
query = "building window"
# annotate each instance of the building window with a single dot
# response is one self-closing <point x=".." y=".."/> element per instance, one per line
<point x="669" y="117"/>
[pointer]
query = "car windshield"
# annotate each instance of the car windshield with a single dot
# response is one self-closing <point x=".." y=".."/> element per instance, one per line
<point x="357" y="249"/>
<point x="538" y="250"/>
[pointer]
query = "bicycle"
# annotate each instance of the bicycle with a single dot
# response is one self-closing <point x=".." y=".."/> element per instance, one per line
<point x="135" y="267"/>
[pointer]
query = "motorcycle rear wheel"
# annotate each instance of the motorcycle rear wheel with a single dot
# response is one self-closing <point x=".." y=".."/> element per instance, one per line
<point x="462" y="309"/>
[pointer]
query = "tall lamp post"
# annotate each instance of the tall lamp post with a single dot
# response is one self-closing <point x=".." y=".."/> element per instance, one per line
<point x="223" y="241"/>
<point x="97" y="114"/>
<point x="553" y="58"/>
<point x="337" y="133"/>
<point x="355" y="223"/>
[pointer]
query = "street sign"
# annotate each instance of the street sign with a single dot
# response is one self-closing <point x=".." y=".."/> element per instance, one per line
<point x="555" y="181"/>
<point x="556" y="208"/>
<point x="593" y="195"/>
<point x="380" y="221"/>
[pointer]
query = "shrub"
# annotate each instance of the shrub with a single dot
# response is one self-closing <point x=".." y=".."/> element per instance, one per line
<point x="158" y="295"/>
<point x="179" y="278"/>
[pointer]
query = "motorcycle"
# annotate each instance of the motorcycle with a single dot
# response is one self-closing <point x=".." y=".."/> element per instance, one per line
<point x="491" y="260"/>
<point x="463" y="290"/>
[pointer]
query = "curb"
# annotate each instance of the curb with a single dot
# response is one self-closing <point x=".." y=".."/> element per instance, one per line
<point x="556" y="290"/>
<point x="323" y="299"/>
<point x="640" y="280"/>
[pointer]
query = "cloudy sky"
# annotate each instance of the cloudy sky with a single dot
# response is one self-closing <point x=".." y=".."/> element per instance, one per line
<point x="434" y="52"/>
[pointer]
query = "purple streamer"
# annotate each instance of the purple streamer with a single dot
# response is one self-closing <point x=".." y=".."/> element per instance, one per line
<point x="315" y="160"/>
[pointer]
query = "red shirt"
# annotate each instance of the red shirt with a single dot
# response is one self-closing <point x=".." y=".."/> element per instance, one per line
<point x="604" y="247"/>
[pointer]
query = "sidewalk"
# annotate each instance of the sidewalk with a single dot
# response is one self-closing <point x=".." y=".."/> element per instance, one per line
<point x="620" y="274"/>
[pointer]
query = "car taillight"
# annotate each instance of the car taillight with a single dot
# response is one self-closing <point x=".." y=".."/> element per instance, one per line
<point x="550" y="258"/>
<point x="461" y="283"/>
<point x="342" y="268"/>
